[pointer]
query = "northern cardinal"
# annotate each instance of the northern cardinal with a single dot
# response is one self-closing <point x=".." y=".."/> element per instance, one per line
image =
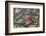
<point x="29" y="20"/>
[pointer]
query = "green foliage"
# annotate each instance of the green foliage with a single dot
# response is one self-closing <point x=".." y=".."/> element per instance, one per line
<point x="22" y="24"/>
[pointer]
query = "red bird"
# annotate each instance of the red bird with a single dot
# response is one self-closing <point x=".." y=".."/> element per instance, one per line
<point x="29" y="20"/>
